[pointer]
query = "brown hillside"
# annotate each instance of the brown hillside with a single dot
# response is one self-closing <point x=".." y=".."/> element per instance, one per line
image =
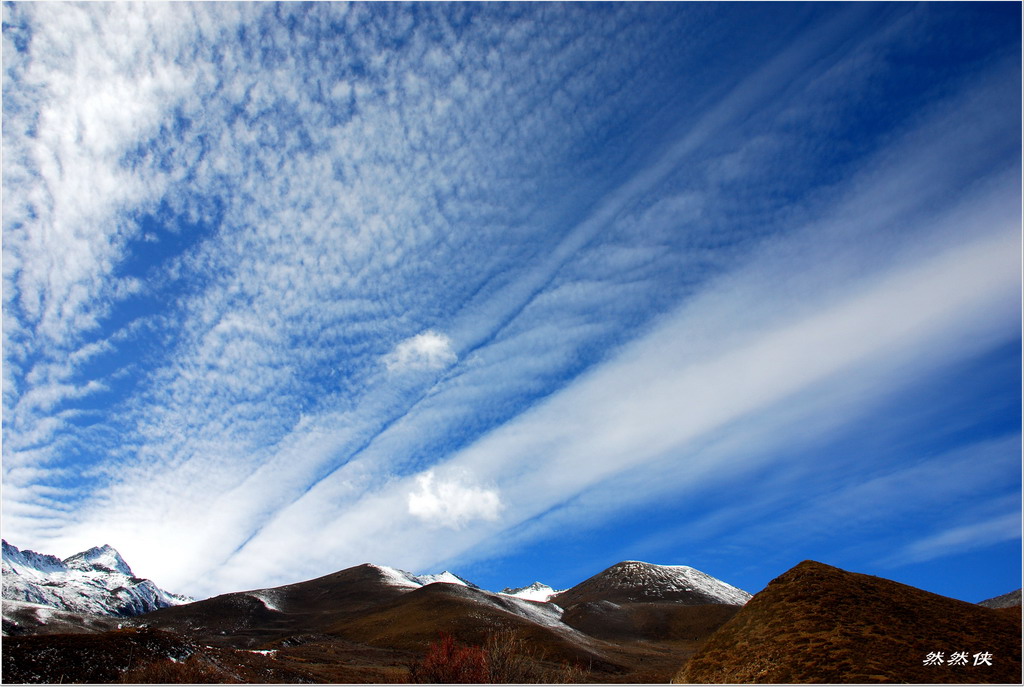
<point x="819" y="624"/>
<point x="414" y="620"/>
<point x="242" y="620"/>
<point x="648" y="621"/>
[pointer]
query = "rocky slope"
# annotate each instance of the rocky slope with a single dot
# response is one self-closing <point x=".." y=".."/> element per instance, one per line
<point x="1003" y="601"/>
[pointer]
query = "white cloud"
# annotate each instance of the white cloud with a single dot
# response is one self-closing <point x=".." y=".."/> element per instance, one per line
<point x="452" y="503"/>
<point x="426" y="351"/>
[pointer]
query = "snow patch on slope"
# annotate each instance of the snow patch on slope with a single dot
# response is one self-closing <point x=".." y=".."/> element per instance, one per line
<point x="398" y="578"/>
<point x="270" y="598"/>
<point x="21" y="617"/>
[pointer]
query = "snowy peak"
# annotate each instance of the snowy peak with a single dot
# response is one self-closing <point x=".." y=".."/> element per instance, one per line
<point x="631" y="581"/>
<point x="628" y="581"/>
<point x="99" y="558"/>
<point x="104" y="558"/>
<point x="30" y="562"/>
<point x="97" y="582"/>
<point x="537" y="591"/>
<point x="446" y="577"/>
<point x="401" y="578"/>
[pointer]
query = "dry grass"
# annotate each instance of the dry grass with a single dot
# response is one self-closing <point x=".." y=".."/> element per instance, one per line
<point x="511" y="659"/>
<point x="818" y="624"/>
<point x="192" y="670"/>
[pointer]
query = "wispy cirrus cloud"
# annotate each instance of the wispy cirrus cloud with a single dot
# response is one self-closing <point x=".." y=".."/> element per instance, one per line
<point x="976" y="535"/>
<point x="242" y="293"/>
<point x="307" y="201"/>
<point x="679" y="386"/>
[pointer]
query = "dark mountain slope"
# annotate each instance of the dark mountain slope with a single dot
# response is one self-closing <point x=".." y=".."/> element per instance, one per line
<point x="816" y="623"/>
<point x="654" y="621"/>
<point x="417" y="618"/>
<point x="248" y="619"/>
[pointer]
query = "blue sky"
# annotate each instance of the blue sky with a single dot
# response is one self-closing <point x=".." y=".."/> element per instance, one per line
<point x="515" y="290"/>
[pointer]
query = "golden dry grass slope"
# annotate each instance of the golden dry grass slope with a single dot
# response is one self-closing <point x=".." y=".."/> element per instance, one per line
<point x="819" y="624"/>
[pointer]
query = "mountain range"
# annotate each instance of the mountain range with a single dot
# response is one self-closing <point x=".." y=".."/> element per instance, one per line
<point x="94" y="582"/>
<point x="634" y="622"/>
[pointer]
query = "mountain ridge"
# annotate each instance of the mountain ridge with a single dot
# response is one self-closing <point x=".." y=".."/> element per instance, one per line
<point x="94" y="582"/>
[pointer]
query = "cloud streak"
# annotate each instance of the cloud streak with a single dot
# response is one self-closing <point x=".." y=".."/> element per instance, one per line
<point x="319" y="265"/>
<point x="965" y="538"/>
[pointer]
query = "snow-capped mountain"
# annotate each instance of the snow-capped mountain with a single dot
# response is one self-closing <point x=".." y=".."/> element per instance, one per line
<point x="627" y="581"/>
<point x="97" y="581"/>
<point x="402" y="578"/>
<point x="631" y="581"/>
<point x="104" y="558"/>
<point x="534" y="592"/>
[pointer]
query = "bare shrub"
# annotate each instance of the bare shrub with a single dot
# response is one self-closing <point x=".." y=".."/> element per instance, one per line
<point x="506" y="658"/>
<point x="512" y="660"/>
<point x="447" y="662"/>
